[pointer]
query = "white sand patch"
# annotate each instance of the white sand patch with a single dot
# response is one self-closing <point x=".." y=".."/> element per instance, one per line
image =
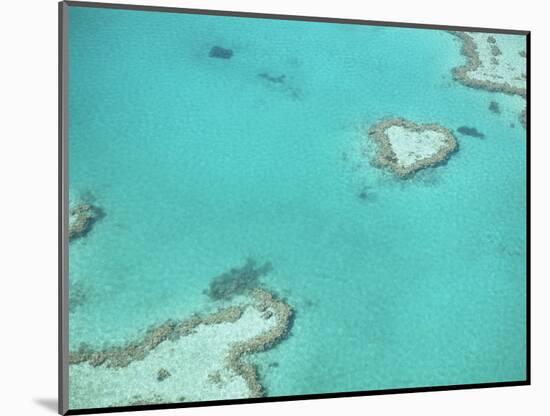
<point x="411" y="146"/>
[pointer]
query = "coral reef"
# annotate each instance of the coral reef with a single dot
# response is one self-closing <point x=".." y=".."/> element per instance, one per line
<point x="237" y="281"/>
<point x="284" y="315"/>
<point x="203" y="357"/>
<point x="482" y="72"/>
<point x="406" y="147"/>
<point x="122" y="356"/>
<point x="82" y="218"/>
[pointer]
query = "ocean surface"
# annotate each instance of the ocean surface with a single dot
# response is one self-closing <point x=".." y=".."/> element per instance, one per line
<point x="200" y="163"/>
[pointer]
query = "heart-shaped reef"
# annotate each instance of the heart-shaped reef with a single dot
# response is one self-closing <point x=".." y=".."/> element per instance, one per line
<point x="406" y="147"/>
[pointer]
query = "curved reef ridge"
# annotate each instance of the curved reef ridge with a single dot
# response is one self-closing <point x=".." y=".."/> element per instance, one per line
<point x="406" y="147"/>
<point x="201" y="358"/>
<point x="493" y="63"/>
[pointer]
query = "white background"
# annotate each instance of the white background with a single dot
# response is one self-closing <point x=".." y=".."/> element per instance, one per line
<point x="28" y="208"/>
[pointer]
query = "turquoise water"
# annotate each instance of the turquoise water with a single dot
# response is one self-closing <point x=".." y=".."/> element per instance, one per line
<point x="199" y="163"/>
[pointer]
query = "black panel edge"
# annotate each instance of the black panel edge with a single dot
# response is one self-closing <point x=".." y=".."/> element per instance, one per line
<point x="528" y="202"/>
<point x="296" y="397"/>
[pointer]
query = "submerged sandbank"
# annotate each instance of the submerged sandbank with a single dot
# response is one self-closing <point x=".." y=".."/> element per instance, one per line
<point x="406" y="147"/>
<point x="197" y="359"/>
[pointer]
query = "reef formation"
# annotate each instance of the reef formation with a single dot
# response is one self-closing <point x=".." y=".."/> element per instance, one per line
<point x="406" y="147"/>
<point x="493" y="63"/>
<point x="200" y="358"/>
<point x="489" y="66"/>
<point x="82" y="218"/>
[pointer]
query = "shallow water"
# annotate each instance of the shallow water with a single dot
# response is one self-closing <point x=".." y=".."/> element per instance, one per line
<point x="200" y="163"/>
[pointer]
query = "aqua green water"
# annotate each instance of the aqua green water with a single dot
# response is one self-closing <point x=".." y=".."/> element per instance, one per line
<point x="200" y="163"/>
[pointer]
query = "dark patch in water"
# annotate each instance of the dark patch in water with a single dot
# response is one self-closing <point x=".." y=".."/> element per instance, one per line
<point x="295" y="93"/>
<point x="238" y="281"/>
<point x="494" y="107"/>
<point x="470" y="131"/>
<point x="277" y="80"/>
<point x="221" y="53"/>
<point x="163" y="374"/>
<point x="281" y="83"/>
<point x="79" y="294"/>
<point x="365" y="194"/>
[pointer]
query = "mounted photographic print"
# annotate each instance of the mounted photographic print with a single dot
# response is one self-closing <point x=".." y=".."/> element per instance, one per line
<point x="264" y="207"/>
